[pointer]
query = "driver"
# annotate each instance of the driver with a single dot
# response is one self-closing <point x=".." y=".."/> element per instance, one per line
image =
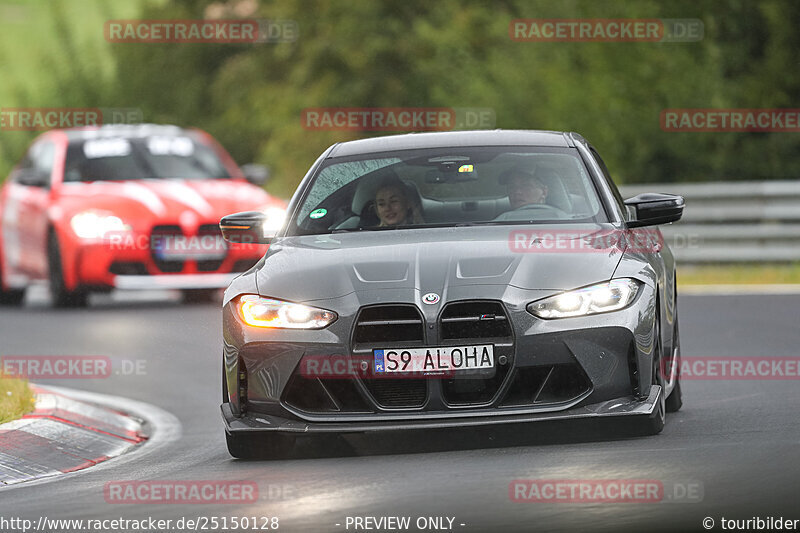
<point x="523" y="188"/>
<point x="394" y="204"/>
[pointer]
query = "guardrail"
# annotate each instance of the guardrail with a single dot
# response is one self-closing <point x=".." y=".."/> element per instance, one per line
<point x="733" y="221"/>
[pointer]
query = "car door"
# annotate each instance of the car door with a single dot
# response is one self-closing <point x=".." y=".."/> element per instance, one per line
<point x="25" y="211"/>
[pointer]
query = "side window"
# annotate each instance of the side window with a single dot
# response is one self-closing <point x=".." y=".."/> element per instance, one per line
<point x="26" y="162"/>
<point x="44" y="157"/>
<point x="613" y="186"/>
<point x="37" y="165"/>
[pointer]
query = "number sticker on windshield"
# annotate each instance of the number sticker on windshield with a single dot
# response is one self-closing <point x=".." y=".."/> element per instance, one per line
<point x="180" y="146"/>
<point x="106" y="148"/>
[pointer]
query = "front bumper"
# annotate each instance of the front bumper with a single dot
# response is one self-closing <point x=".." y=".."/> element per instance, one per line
<point x="174" y="281"/>
<point x="612" y="352"/>
<point x="109" y="265"/>
<point x="623" y="407"/>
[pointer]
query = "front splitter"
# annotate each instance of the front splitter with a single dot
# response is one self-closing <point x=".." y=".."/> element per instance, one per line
<point x="620" y="407"/>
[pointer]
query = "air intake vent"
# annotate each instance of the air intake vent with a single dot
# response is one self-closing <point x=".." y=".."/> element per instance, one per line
<point x="320" y="396"/>
<point x="543" y="385"/>
<point x="398" y="393"/>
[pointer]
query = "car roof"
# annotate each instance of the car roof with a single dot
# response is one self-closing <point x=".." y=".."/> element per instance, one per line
<point x="123" y="130"/>
<point x="446" y="139"/>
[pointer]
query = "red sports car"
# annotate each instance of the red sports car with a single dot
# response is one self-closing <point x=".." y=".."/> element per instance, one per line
<point x="126" y="207"/>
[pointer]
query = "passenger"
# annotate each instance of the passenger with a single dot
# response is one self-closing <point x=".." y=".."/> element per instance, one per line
<point x="395" y="205"/>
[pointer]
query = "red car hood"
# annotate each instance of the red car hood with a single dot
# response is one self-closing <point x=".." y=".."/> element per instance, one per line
<point x="166" y="200"/>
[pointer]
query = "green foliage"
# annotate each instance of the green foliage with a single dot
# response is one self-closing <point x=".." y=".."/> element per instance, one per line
<point x="367" y="53"/>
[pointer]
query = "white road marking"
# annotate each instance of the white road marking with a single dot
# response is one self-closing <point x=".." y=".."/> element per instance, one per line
<point x="776" y="288"/>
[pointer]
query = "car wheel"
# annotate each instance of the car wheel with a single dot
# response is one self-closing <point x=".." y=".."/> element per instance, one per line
<point x="10" y="296"/>
<point x="62" y="297"/>
<point x="200" y="296"/>
<point x="258" y="446"/>
<point x="675" y="400"/>
<point x="654" y="423"/>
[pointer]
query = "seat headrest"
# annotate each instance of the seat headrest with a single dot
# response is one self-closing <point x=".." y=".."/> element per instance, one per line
<point x="557" y="195"/>
<point x="556" y="192"/>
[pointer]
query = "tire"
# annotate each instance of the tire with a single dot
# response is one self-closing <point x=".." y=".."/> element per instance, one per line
<point x="200" y="296"/>
<point x="258" y="445"/>
<point x="254" y="446"/>
<point x="675" y="400"/>
<point x="654" y="423"/>
<point x="10" y="296"/>
<point x="62" y="297"/>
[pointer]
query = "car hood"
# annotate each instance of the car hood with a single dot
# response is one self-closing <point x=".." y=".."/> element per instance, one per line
<point x="319" y="267"/>
<point x="165" y="199"/>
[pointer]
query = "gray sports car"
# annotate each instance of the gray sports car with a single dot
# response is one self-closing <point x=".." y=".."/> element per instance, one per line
<point x="451" y="279"/>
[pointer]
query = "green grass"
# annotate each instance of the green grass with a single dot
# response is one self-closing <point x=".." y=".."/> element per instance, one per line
<point x="737" y="274"/>
<point x="16" y="399"/>
<point x="54" y="54"/>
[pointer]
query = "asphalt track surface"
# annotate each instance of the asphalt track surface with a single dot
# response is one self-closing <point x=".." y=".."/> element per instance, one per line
<point x="739" y="441"/>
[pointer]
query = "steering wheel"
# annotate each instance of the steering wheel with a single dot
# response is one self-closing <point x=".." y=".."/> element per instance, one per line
<point x="555" y="210"/>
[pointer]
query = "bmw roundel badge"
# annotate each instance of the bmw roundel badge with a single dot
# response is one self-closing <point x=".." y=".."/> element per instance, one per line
<point x="431" y="298"/>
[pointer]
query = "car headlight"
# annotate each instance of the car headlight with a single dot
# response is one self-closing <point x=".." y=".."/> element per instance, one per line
<point x="601" y="298"/>
<point x="96" y="225"/>
<point x="269" y="313"/>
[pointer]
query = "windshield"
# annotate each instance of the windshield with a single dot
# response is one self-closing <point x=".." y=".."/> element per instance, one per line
<point x="449" y="187"/>
<point x="153" y="157"/>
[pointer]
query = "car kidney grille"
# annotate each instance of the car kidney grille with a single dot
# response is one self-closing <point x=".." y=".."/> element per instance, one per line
<point x="210" y="230"/>
<point x="388" y="323"/>
<point x="474" y="320"/>
<point x="480" y="322"/>
<point x="164" y="265"/>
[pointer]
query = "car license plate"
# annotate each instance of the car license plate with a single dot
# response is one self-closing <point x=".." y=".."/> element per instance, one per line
<point x="182" y="248"/>
<point x="438" y="359"/>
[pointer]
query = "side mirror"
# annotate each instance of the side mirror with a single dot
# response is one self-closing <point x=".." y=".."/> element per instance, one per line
<point x="655" y="208"/>
<point x="246" y="228"/>
<point x="256" y="174"/>
<point x="32" y="177"/>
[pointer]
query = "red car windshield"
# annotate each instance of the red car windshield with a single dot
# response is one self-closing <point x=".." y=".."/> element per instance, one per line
<point x="155" y="157"/>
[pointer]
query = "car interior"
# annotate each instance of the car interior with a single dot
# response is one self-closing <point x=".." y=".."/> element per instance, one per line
<point x="445" y="197"/>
